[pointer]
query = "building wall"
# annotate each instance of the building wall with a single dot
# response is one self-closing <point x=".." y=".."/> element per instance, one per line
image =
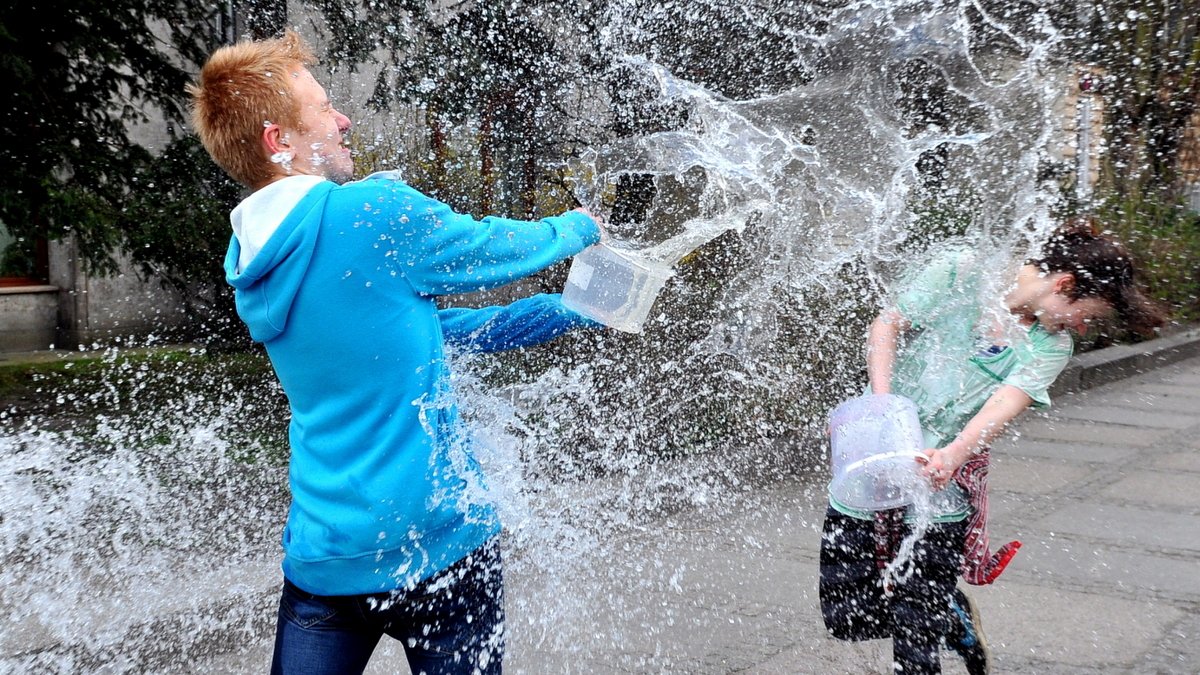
<point x="1081" y="142"/>
<point x="75" y="310"/>
<point x="1189" y="161"/>
<point x="96" y="311"/>
<point x="28" y="317"/>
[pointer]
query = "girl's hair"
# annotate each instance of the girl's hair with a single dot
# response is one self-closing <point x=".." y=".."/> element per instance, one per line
<point x="1101" y="268"/>
<point x="240" y="88"/>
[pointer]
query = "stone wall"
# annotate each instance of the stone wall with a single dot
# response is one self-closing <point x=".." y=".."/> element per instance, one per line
<point x="98" y="310"/>
<point x="1189" y="161"/>
<point x="77" y="310"/>
<point x="28" y="316"/>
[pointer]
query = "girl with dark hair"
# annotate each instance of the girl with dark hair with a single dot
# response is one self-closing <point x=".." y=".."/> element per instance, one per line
<point x="972" y="354"/>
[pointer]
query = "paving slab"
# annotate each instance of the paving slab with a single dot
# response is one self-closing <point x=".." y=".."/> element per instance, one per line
<point x="1136" y="526"/>
<point x="1187" y="378"/>
<point x="1187" y="460"/>
<point x="1178" y="651"/>
<point x="1104" y="569"/>
<point x="1040" y="623"/>
<point x="1019" y="445"/>
<point x="1091" y="432"/>
<point x="1127" y="416"/>
<point x="1177" y="491"/>
<point x="1031" y="628"/>
<point x="1147" y="401"/>
<point x="1184" y="392"/>
<point x="832" y="656"/>
<point x="1036" y="475"/>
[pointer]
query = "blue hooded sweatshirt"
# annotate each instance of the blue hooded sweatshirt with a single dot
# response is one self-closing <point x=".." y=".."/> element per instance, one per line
<point x="385" y="489"/>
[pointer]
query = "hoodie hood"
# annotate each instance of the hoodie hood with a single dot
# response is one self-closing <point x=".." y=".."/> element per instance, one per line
<point x="257" y="217"/>
<point x="283" y="222"/>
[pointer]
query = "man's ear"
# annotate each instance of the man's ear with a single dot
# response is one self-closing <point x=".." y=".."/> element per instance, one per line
<point x="274" y="140"/>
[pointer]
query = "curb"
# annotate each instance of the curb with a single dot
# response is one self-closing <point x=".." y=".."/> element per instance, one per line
<point x="1121" y="361"/>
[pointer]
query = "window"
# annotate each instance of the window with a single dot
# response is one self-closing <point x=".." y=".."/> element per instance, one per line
<point x="23" y="260"/>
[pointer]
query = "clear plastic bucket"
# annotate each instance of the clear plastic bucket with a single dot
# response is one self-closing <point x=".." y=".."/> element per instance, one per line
<point x="875" y="442"/>
<point x="614" y="287"/>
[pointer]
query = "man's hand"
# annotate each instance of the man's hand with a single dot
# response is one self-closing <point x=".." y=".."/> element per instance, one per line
<point x="599" y="223"/>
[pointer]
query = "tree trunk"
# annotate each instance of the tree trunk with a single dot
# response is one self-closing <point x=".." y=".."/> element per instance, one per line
<point x="438" y="146"/>
<point x="529" y="164"/>
<point x="487" y="160"/>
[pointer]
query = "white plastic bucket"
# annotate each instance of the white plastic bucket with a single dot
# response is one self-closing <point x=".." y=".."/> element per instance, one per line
<point x="875" y="441"/>
<point x="614" y="287"/>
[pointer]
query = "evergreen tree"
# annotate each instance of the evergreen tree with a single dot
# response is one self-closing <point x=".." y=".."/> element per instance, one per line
<point x="78" y="75"/>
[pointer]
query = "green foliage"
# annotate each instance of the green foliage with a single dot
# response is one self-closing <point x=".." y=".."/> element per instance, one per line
<point x="1164" y="238"/>
<point x="723" y="46"/>
<point x="527" y="76"/>
<point x="152" y="390"/>
<point x="175" y="224"/>
<point x="1146" y="55"/>
<point x="77" y="76"/>
<point x="1150" y="55"/>
<point x="499" y="68"/>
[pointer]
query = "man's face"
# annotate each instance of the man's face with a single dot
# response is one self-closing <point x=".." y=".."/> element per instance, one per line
<point x="319" y="145"/>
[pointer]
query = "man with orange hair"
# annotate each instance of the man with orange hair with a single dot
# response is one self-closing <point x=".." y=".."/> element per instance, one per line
<point x="390" y="529"/>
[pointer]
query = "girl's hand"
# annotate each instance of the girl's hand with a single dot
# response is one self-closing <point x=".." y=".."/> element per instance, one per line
<point x="939" y="466"/>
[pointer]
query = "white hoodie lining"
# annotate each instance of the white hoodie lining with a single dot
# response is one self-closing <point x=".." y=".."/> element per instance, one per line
<point x="257" y="217"/>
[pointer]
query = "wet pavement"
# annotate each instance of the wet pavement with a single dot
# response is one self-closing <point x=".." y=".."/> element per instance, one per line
<point x="1103" y="490"/>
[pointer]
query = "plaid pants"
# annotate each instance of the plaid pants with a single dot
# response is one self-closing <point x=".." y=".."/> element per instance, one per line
<point x="980" y="565"/>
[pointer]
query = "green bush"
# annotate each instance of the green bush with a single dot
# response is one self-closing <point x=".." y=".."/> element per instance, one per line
<point x="1164" y="237"/>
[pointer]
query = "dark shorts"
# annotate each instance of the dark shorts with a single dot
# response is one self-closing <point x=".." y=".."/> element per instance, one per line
<point x="855" y="604"/>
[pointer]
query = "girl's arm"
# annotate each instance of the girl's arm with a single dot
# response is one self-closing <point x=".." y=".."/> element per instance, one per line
<point x="881" y="349"/>
<point x="1001" y="408"/>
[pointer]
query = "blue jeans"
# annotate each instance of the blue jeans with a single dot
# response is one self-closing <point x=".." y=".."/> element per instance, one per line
<point x="450" y="623"/>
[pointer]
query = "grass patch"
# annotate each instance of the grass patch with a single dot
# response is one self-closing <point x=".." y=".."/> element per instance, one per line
<point x="151" y="394"/>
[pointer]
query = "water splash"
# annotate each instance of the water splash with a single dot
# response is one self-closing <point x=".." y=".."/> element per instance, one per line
<point x="819" y="196"/>
<point x="786" y="213"/>
<point x="119" y="518"/>
<point x="284" y="159"/>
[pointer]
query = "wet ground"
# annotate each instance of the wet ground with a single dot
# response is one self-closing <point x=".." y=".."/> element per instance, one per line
<point x="1102" y="491"/>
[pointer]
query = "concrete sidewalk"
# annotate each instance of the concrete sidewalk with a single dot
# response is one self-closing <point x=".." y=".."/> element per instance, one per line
<point x="1102" y="491"/>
